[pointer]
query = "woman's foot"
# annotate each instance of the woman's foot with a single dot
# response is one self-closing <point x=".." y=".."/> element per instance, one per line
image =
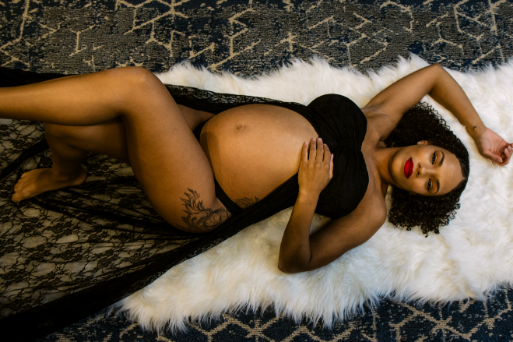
<point x="37" y="181"/>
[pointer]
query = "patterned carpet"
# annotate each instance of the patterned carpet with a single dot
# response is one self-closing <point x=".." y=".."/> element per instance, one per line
<point x="247" y="38"/>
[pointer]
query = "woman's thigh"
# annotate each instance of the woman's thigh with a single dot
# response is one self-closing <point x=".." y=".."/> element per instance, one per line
<point x="180" y="189"/>
<point x="109" y="138"/>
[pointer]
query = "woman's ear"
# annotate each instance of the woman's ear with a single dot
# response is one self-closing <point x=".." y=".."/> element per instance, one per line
<point x="423" y="142"/>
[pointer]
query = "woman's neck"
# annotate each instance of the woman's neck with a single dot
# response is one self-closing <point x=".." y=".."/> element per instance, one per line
<point x="383" y="157"/>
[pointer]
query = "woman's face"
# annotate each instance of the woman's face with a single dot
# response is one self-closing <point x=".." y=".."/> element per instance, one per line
<point x="425" y="169"/>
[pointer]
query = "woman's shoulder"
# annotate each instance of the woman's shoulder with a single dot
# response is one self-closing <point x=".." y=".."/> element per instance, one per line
<point x="378" y="124"/>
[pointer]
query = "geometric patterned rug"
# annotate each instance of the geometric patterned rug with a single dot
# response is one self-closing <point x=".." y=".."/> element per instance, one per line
<point x="473" y="321"/>
<point x="248" y="38"/>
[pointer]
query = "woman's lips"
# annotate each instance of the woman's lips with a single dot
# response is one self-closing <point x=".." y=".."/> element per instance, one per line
<point x="408" y="168"/>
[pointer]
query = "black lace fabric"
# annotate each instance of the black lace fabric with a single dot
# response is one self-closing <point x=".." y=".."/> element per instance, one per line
<point x="68" y="253"/>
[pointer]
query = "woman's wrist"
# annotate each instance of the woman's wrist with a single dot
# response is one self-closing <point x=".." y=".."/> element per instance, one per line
<point x="308" y="197"/>
<point x="476" y="130"/>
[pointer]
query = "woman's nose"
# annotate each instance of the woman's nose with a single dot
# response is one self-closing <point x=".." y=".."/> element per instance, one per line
<point x="424" y="170"/>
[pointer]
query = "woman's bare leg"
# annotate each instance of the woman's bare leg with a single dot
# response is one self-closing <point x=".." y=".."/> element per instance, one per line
<point x="70" y="145"/>
<point x="166" y="158"/>
<point x="66" y="171"/>
<point x="79" y="100"/>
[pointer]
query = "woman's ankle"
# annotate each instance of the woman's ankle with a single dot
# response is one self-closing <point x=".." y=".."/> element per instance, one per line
<point x="68" y="174"/>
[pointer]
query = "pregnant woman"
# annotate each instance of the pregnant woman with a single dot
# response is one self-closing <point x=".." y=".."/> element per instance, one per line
<point x="198" y="169"/>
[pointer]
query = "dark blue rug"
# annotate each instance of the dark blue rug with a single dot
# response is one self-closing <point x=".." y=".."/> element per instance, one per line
<point x="248" y="38"/>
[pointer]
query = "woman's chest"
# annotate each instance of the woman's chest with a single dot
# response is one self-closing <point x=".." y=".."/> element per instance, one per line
<point x="253" y="149"/>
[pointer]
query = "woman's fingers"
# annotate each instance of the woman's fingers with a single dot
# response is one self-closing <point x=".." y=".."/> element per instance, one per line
<point x="331" y="167"/>
<point x="508" y="151"/>
<point x="317" y="152"/>
<point x="327" y="154"/>
<point x="313" y="150"/>
<point x="320" y="151"/>
<point x="494" y="147"/>
<point x="494" y="157"/>
<point x="328" y="161"/>
<point x="502" y="159"/>
<point x="304" y="153"/>
<point x="316" y="167"/>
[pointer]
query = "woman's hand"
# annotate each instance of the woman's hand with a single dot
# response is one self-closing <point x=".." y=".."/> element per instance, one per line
<point x="493" y="147"/>
<point x="315" y="168"/>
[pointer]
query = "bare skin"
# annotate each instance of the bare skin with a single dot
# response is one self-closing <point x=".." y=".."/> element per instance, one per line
<point x="252" y="150"/>
<point x="106" y="138"/>
<point x="149" y="128"/>
<point x="34" y="182"/>
<point x="301" y="251"/>
<point x="66" y="171"/>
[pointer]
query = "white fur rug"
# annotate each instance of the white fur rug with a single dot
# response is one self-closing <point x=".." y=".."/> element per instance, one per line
<point x="470" y="258"/>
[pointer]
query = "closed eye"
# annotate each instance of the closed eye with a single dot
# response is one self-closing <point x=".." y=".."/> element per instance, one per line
<point x="430" y="185"/>
<point x="434" y="159"/>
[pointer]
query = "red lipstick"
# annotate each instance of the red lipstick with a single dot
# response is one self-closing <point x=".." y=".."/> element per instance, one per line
<point x="408" y="168"/>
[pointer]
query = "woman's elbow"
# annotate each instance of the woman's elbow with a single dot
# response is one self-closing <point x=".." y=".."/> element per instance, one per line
<point x="437" y="68"/>
<point x="290" y="267"/>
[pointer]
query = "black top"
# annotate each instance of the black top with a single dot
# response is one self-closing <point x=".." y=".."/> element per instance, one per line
<point x="342" y="126"/>
<point x="67" y="294"/>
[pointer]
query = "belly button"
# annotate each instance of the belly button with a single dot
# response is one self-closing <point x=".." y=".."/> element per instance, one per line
<point x="240" y="127"/>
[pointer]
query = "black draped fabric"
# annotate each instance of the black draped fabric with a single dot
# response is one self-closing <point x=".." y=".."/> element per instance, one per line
<point x="67" y="254"/>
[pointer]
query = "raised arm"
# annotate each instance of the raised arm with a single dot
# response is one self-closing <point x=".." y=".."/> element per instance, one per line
<point x="433" y="80"/>
<point x="301" y="252"/>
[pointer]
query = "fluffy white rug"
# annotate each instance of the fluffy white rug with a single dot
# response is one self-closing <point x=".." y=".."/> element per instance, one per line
<point x="470" y="258"/>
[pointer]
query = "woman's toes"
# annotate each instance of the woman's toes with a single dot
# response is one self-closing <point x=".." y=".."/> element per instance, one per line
<point x="41" y="180"/>
<point x="16" y="198"/>
<point x="17" y="186"/>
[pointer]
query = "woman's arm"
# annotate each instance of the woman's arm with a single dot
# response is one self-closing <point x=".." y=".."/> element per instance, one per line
<point x="395" y="100"/>
<point x="295" y="244"/>
<point x="301" y="252"/>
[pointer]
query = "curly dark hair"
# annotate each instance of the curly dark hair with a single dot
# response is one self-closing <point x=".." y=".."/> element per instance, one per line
<point x="422" y="122"/>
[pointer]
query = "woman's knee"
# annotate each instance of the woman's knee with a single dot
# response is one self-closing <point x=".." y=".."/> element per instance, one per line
<point x="56" y="131"/>
<point x="133" y="78"/>
<point x="134" y="87"/>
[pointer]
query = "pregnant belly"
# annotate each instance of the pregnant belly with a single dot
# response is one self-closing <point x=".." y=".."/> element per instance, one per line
<point x="253" y="149"/>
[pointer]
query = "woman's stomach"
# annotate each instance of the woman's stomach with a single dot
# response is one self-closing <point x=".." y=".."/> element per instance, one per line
<point x="253" y="149"/>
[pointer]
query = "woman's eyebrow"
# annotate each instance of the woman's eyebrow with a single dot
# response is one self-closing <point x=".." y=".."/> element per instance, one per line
<point x="438" y="182"/>
<point x="442" y="160"/>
